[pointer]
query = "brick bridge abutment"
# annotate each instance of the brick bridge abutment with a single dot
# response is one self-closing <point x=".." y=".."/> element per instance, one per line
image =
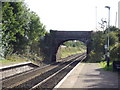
<point x="58" y="37"/>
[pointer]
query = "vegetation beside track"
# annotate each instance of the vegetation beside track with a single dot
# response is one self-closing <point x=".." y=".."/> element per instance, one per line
<point x="99" y="53"/>
<point x="70" y="48"/>
<point x="21" y="33"/>
<point x="103" y="65"/>
<point x="26" y="40"/>
<point x="15" y="59"/>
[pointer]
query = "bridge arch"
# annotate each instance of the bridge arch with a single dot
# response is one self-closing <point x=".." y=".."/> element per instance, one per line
<point x="58" y="37"/>
<point x="59" y="53"/>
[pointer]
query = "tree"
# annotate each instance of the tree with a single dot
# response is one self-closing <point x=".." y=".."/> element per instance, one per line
<point x="7" y="21"/>
<point x="74" y="44"/>
<point x="99" y="39"/>
<point x="21" y="28"/>
<point x="35" y="31"/>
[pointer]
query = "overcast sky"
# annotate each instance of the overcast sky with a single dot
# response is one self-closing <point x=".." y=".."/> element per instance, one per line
<point x="73" y="14"/>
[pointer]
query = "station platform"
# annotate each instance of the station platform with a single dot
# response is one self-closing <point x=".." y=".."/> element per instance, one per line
<point x="89" y="75"/>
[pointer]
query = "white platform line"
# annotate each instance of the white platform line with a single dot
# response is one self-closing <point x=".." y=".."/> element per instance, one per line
<point x="60" y="83"/>
<point x="15" y="65"/>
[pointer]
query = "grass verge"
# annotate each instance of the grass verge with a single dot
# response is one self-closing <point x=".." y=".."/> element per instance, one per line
<point x="12" y="59"/>
<point x="104" y="66"/>
<point x="70" y="50"/>
<point x="15" y="59"/>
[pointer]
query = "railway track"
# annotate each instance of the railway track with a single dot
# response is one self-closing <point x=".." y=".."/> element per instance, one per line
<point x="46" y="77"/>
<point x="55" y="78"/>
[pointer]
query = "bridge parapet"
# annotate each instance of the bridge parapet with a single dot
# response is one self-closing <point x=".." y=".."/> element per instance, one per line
<point x="71" y="34"/>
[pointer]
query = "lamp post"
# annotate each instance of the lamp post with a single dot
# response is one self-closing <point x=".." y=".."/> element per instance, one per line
<point x="108" y="53"/>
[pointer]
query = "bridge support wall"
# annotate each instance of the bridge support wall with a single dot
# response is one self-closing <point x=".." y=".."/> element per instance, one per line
<point x="58" y="37"/>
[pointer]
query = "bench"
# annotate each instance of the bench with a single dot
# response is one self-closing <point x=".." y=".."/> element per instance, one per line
<point x="116" y="65"/>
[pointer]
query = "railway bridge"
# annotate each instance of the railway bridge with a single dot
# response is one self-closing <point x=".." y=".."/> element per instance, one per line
<point x="59" y="37"/>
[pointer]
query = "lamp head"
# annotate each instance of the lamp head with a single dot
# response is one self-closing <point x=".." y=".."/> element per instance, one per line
<point x="105" y="21"/>
<point x="107" y="7"/>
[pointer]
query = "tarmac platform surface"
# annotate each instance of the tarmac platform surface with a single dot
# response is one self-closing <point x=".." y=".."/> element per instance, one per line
<point x="89" y="75"/>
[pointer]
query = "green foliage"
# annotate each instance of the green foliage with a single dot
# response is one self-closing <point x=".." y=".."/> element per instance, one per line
<point x="16" y="58"/>
<point x="67" y="51"/>
<point x="115" y="52"/>
<point x="32" y="57"/>
<point x="99" y="39"/>
<point x="98" y="42"/>
<point x="112" y="29"/>
<point x="36" y="28"/>
<point x="45" y="45"/>
<point x="97" y="47"/>
<point x="113" y="38"/>
<point x="35" y="31"/>
<point x="21" y="29"/>
<point x="12" y="25"/>
<point x="74" y="43"/>
<point x="115" y="45"/>
<point x="70" y="47"/>
<point x="104" y="66"/>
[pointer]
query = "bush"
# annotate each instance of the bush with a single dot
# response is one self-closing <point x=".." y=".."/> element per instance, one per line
<point x="115" y="52"/>
<point x="104" y="66"/>
<point x="95" y="57"/>
<point x="15" y="58"/>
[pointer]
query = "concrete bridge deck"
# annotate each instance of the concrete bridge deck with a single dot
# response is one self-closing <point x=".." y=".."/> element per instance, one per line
<point x="89" y="75"/>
